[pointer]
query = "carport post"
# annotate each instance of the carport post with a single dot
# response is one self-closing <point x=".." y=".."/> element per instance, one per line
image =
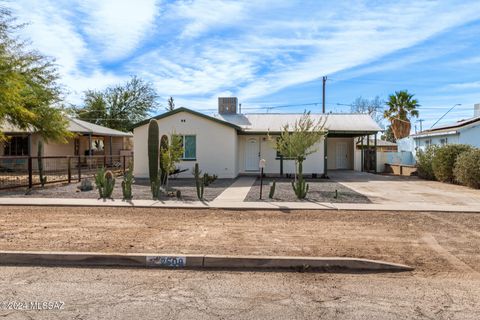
<point x="90" y="145"/>
<point x="111" y="150"/>
<point x="375" y="154"/>
<point x="361" y="156"/>
<point x="368" y="153"/>
<point x="90" y="151"/>
<point x="325" y="157"/>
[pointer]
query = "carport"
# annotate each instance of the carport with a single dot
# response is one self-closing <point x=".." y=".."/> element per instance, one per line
<point x="340" y="151"/>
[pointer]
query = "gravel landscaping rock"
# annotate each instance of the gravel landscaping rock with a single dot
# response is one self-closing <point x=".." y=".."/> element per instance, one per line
<point x="320" y="190"/>
<point x="141" y="190"/>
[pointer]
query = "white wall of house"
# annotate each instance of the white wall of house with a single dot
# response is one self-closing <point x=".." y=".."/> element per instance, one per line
<point x="313" y="163"/>
<point x="422" y="143"/>
<point x="468" y="135"/>
<point x="216" y="145"/>
<point x="471" y="135"/>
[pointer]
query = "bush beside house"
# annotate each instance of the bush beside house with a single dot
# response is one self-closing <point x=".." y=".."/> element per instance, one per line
<point x="467" y="169"/>
<point x="444" y="161"/>
<point x="424" y="163"/>
<point x="456" y="163"/>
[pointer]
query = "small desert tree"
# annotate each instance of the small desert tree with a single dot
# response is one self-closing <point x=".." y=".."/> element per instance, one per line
<point x="171" y="104"/>
<point x="297" y="142"/>
<point x="170" y="154"/>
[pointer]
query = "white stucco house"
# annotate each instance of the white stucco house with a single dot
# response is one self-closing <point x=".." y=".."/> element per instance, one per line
<point x="230" y="144"/>
<point x="465" y="131"/>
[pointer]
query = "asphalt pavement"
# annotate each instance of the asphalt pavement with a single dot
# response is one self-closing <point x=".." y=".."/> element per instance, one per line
<point x="97" y="293"/>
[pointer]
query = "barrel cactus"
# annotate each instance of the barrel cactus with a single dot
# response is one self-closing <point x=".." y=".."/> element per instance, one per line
<point x="105" y="182"/>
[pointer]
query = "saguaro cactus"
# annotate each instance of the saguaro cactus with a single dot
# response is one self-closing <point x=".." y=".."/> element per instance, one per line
<point x="300" y="186"/>
<point x="153" y="157"/>
<point x="43" y="179"/>
<point x="199" y="182"/>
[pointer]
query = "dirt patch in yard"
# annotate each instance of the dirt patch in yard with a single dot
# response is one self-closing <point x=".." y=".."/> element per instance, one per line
<point x="427" y="241"/>
<point x="141" y="190"/>
<point x="320" y="190"/>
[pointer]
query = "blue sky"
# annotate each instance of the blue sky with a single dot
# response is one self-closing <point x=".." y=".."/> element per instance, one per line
<point x="266" y="52"/>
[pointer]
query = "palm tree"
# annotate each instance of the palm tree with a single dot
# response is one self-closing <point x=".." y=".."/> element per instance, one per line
<point x="401" y="108"/>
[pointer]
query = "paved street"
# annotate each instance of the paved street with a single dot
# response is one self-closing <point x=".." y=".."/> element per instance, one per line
<point x="163" y="294"/>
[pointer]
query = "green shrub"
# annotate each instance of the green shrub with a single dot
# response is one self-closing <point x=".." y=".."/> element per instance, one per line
<point x="424" y="163"/>
<point x="444" y="161"/>
<point x="467" y="169"/>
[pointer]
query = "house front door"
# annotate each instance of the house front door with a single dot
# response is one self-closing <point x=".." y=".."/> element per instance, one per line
<point x="342" y="155"/>
<point x="252" y="154"/>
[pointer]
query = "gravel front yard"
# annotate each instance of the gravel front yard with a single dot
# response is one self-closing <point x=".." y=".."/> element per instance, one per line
<point x="141" y="190"/>
<point x="320" y="190"/>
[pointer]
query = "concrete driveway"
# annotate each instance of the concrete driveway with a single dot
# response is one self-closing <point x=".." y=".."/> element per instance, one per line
<point x="383" y="189"/>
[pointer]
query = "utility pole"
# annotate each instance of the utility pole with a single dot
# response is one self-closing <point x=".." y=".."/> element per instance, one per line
<point x="324" y="80"/>
<point x="421" y="120"/>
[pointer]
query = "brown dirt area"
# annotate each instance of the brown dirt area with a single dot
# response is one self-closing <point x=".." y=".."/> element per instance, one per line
<point x="430" y="242"/>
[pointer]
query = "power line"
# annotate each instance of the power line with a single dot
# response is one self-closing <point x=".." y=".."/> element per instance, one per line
<point x="458" y="104"/>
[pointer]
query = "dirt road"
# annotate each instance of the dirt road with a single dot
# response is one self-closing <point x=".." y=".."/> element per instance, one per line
<point x="443" y="247"/>
<point x="430" y="242"/>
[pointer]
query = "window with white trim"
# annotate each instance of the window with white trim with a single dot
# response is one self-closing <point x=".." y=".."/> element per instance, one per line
<point x="189" y="144"/>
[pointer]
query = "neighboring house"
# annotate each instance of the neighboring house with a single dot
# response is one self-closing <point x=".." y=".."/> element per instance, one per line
<point x="89" y="139"/>
<point x="382" y="145"/>
<point x="231" y="144"/>
<point x="461" y="132"/>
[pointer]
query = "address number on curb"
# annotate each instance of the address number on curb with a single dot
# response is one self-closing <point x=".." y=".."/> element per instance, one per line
<point x="166" y="261"/>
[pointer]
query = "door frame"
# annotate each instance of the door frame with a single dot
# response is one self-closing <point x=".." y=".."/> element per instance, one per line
<point x="257" y="139"/>
<point x="346" y="164"/>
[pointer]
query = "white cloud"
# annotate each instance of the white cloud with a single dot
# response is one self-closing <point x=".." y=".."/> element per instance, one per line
<point x="51" y="33"/>
<point x="465" y="85"/>
<point x="117" y="26"/>
<point x="198" y="49"/>
<point x="202" y="15"/>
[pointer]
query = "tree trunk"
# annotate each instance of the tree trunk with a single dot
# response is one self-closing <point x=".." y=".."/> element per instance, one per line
<point x="401" y="128"/>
